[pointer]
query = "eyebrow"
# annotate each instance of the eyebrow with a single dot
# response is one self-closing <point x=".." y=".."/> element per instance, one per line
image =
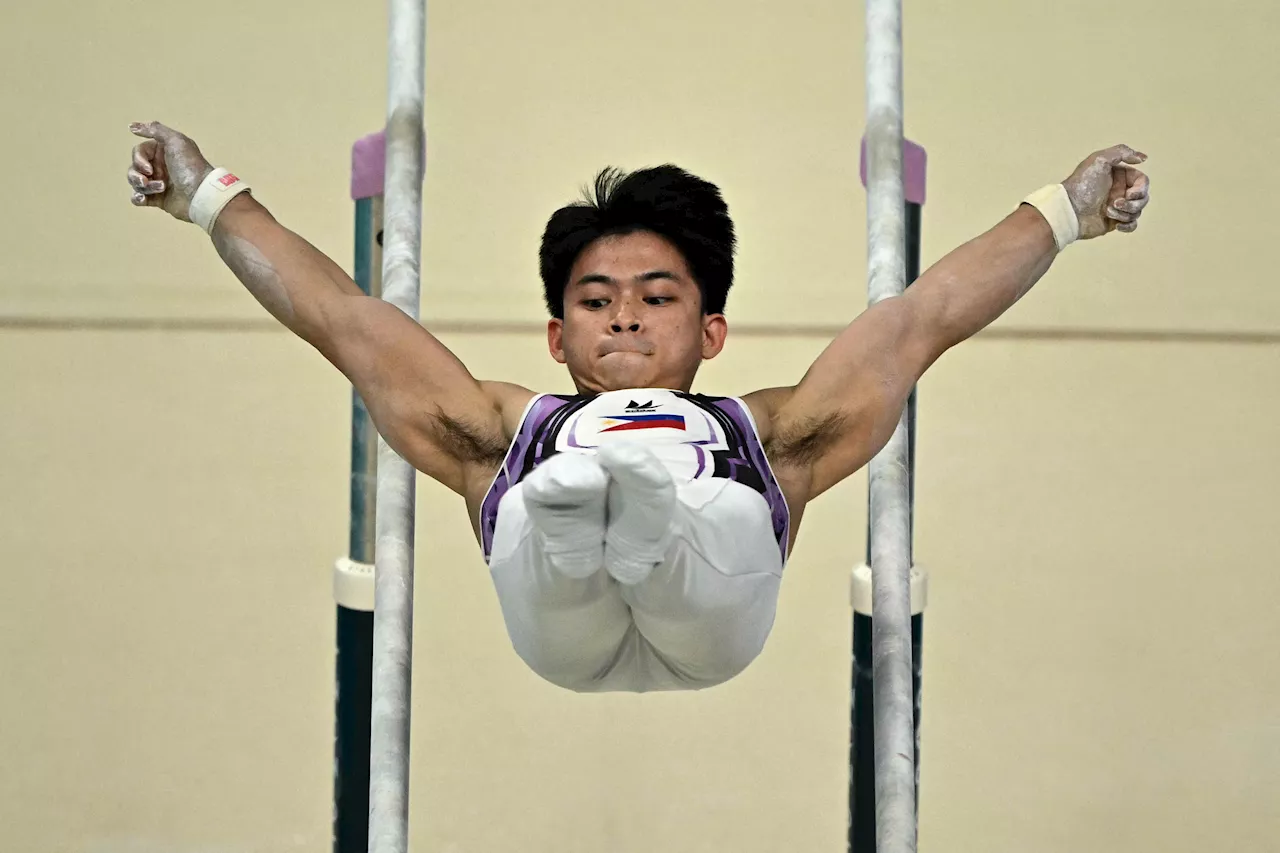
<point x="654" y="275"/>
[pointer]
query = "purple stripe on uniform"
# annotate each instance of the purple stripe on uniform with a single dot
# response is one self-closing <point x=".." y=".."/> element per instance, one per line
<point x="697" y="445"/>
<point x="512" y="467"/>
<point x="781" y="517"/>
<point x="572" y="439"/>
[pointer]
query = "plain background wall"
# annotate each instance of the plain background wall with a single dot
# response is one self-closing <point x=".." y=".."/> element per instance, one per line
<point x="1097" y="474"/>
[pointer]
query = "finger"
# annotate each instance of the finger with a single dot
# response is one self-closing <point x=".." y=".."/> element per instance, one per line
<point x="152" y="130"/>
<point x="1131" y="205"/>
<point x="1123" y="154"/>
<point x="1139" y="184"/>
<point x="1127" y="227"/>
<point x="1117" y="187"/>
<point x="142" y="198"/>
<point x="1120" y="215"/>
<point x="142" y="155"/>
<point x="139" y="182"/>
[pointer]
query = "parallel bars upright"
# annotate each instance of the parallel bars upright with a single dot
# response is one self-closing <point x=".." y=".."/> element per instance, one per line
<point x="890" y="474"/>
<point x="402" y="144"/>
<point x="373" y="585"/>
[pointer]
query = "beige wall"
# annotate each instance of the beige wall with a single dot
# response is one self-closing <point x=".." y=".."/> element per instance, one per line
<point x="1097" y="514"/>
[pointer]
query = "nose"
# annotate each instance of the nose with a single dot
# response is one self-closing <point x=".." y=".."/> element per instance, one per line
<point x="626" y="319"/>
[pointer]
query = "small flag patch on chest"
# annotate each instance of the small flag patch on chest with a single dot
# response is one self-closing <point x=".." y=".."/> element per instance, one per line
<point x="620" y="423"/>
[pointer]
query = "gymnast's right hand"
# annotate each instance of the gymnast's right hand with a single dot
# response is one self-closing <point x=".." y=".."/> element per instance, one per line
<point x="167" y="169"/>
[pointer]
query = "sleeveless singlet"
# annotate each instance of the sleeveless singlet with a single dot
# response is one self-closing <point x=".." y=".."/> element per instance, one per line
<point x="695" y="436"/>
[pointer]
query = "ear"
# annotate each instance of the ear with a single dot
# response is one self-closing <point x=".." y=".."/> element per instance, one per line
<point x="714" y="331"/>
<point x="555" y="339"/>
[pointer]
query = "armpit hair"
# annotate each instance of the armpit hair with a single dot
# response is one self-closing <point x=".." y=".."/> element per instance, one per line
<point x="805" y="441"/>
<point x="467" y="443"/>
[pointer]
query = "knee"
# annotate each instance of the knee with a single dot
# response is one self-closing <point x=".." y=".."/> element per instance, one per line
<point x="581" y="661"/>
<point x="713" y="667"/>
<point x="715" y="654"/>
<point x="571" y="672"/>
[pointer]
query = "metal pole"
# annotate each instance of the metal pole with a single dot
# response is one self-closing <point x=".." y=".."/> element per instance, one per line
<point x="890" y="509"/>
<point x="393" y="576"/>
<point x="862" y="799"/>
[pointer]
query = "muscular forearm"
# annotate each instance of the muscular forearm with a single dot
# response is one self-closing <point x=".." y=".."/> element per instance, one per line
<point x="291" y="278"/>
<point x="972" y="286"/>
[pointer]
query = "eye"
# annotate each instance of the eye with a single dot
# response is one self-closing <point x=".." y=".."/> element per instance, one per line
<point x="658" y="300"/>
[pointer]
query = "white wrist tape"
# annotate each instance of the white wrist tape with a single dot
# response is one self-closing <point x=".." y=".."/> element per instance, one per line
<point x="1055" y="206"/>
<point x="215" y="193"/>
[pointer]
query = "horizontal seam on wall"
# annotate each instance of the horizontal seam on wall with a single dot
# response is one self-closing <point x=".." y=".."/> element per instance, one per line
<point x="750" y="330"/>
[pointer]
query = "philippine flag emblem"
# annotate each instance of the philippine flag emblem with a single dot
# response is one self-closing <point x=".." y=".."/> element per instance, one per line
<point x="622" y="423"/>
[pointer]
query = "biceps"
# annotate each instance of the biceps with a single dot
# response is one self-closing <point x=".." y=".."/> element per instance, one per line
<point x="849" y="402"/>
<point x="872" y="363"/>
<point x="422" y="399"/>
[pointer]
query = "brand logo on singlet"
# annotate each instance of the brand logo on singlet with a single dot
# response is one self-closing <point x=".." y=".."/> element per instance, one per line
<point x="633" y="407"/>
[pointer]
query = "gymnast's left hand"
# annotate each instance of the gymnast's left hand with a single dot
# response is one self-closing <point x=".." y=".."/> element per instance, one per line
<point x="1108" y="191"/>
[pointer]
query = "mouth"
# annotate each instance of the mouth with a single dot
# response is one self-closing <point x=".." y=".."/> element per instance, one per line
<point x="610" y="347"/>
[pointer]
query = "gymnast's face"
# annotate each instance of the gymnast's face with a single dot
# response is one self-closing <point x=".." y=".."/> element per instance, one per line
<point x="633" y="317"/>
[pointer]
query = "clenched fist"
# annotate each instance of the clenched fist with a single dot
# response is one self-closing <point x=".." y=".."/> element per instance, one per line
<point x="1108" y="191"/>
<point x="167" y="169"/>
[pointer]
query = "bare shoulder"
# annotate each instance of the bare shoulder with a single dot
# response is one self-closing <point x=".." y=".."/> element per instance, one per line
<point x="482" y="449"/>
<point x="510" y="401"/>
<point x="764" y="406"/>
<point x="771" y="409"/>
<point x="795" y="428"/>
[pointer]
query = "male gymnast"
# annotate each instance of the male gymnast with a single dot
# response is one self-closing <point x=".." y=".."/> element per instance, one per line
<point x="636" y="532"/>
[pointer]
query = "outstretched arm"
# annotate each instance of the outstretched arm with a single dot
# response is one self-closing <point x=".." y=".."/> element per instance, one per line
<point x="420" y="396"/>
<point x="847" y="405"/>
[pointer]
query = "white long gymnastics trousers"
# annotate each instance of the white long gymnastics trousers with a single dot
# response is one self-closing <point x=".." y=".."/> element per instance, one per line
<point x="698" y="620"/>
